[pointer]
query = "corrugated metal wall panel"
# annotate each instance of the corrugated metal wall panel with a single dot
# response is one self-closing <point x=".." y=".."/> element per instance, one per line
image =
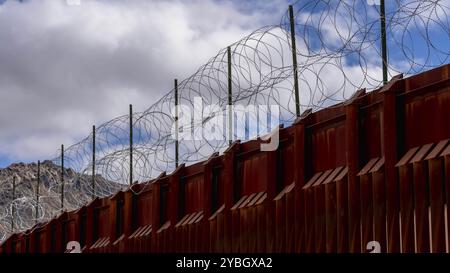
<point x="374" y="168"/>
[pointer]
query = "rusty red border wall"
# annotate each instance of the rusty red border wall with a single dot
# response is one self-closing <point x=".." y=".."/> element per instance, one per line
<point x="356" y="172"/>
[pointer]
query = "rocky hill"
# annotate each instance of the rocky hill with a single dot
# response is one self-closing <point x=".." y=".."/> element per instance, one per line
<point x="77" y="192"/>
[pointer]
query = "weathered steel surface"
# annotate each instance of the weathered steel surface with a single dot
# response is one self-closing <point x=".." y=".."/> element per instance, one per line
<point x="376" y="168"/>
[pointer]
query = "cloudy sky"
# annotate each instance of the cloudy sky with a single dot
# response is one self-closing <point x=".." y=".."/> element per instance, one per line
<point x="66" y="67"/>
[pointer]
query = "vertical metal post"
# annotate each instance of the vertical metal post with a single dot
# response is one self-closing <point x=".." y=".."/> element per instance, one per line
<point x="176" y="124"/>
<point x="294" y="61"/>
<point x="230" y="99"/>
<point x="62" y="177"/>
<point x="13" y="210"/>
<point x="131" y="144"/>
<point x="93" y="162"/>
<point x="37" y="190"/>
<point x="383" y="41"/>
